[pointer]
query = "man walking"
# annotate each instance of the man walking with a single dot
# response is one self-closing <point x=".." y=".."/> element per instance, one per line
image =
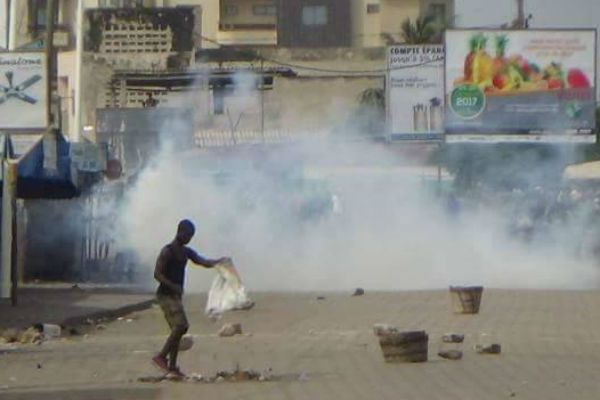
<point x="170" y="273"/>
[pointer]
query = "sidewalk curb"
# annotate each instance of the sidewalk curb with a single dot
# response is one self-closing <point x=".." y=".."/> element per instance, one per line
<point x="108" y="314"/>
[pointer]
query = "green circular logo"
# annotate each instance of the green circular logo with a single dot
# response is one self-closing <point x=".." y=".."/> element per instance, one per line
<point x="467" y="101"/>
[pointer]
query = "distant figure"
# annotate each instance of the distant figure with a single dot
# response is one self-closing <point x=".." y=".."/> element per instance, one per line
<point x="150" y="101"/>
<point x="170" y="272"/>
<point x="453" y="205"/>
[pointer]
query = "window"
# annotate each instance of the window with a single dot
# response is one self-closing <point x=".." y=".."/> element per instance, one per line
<point x="314" y="15"/>
<point x="109" y="3"/>
<point x="264" y="9"/>
<point x="230" y="10"/>
<point x="37" y="15"/>
<point x="120" y="3"/>
<point x="439" y="12"/>
<point x="373" y="8"/>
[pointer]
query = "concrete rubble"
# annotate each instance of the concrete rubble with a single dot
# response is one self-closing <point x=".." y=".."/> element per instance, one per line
<point x="453" y="338"/>
<point x="228" y="330"/>
<point x="493" y="348"/>
<point x="451" y="354"/>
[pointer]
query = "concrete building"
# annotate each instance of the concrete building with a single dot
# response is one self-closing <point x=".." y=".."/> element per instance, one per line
<point x="350" y="34"/>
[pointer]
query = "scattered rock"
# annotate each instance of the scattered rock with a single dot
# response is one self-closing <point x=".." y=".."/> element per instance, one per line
<point x="384" y="329"/>
<point x="219" y="379"/>
<point x="303" y="377"/>
<point x="320" y="297"/>
<point x="359" y="292"/>
<point x="451" y="354"/>
<point x="101" y="327"/>
<point x="186" y="343"/>
<point x="230" y="330"/>
<point x="120" y="319"/>
<point x="39" y="366"/>
<point x="194" y="377"/>
<point x="76" y="287"/>
<point x="129" y="320"/>
<point x="512" y="394"/>
<point x="453" y="338"/>
<point x="494" y="348"/>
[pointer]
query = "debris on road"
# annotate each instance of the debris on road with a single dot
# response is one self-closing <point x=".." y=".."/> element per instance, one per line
<point x="10" y="335"/>
<point x="494" y="348"/>
<point x="51" y="331"/>
<point x="384" y="329"/>
<point x="230" y="330"/>
<point x="31" y="335"/>
<point x="186" y="343"/>
<point x="404" y="346"/>
<point x="451" y="354"/>
<point x="453" y="338"/>
<point x="236" y="375"/>
<point x="359" y="292"/>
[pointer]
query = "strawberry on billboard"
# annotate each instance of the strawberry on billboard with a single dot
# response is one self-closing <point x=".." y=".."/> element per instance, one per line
<point x="520" y="82"/>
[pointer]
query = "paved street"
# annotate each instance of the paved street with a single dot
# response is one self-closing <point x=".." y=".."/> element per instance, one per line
<point x="550" y="350"/>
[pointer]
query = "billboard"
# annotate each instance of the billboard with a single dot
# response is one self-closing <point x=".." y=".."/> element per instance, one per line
<point x="415" y="92"/>
<point x="22" y="90"/>
<point x="531" y="82"/>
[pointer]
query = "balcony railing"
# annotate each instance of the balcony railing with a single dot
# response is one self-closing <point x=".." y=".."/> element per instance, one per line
<point x="224" y="26"/>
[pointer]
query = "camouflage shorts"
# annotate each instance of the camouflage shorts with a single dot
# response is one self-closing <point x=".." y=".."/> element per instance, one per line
<point x="173" y="310"/>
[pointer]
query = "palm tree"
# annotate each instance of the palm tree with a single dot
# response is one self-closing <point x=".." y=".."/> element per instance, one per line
<point x="422" y="31"/>
<point x="373" y="98"/>
<point x="370" y="115"/>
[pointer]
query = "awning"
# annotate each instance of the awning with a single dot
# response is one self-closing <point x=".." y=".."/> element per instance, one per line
<point x="588" y="170"/>
<point x="35" y="182"/>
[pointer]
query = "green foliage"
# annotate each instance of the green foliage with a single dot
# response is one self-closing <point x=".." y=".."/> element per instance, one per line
<point x="422" y="31"/>
<point x="372" y="97"/>
<point x="369" y="117"/>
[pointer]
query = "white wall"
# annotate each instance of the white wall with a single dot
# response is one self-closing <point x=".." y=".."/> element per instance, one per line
<point x="3" y="26"/>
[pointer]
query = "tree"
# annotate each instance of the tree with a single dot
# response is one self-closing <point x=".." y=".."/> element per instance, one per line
<point x="422" y="31"/>
<point x="371" y="111"/>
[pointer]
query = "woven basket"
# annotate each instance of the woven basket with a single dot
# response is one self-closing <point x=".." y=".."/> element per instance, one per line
<point x="404" y="346"/>
<point x="466" y="299"/>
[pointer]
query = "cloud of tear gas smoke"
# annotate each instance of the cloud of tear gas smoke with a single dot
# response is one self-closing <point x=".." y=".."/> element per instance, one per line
<point x="334" y="216"/>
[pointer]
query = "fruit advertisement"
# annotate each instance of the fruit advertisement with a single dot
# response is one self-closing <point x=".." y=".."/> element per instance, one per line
<point x="520" y="81"/>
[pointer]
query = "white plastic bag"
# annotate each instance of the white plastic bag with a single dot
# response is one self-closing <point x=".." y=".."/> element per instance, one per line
<point x="227" y="292"/>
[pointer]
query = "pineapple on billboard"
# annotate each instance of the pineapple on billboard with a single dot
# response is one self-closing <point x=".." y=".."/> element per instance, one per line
<point x="520" y="82"/>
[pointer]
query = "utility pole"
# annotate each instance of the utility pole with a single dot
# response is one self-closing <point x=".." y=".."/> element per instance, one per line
<point x="520" y="22"/>
<point x="8" y="287"/>
<point x="49" y="44"/>
<point x="50" y="139"/>
<point x="75" y="128"/>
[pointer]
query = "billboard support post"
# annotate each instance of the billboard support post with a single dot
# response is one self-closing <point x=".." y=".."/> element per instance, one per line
<point x="7" y="241"/>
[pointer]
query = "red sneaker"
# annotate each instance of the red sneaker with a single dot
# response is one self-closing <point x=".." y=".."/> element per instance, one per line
<point x="161" y="362"/>
<point x="175" y="373"/>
